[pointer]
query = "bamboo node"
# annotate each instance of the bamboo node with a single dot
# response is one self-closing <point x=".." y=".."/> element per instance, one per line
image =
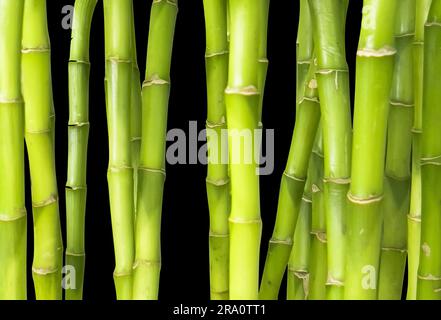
<point x="213" y="125"/>
<point x="15" y="101"/>
<point x="369" y="200"/>
<point x="429" y="277"/>
<point x="244" y="91"/>
<point x="47" y="202"/>
<point x="44" y="271"/>
<point x="151" y="170"/>
<point x="245" y="221"/>
<point x="306" y="199"/>
<point x="78" y="61"/>
<point x="20" y="214"/>
<point x="436" y="161"/>
<point x="320" y="235"/>
<point x="212" y="234"/>
<point x="300" y="62"/>
<point x="315" y="188"/>
<point x="113" y="59"/>
<point x="376" y="53"/>
<point x="396" y="177"/>
<point x="120" y="168"/>
<point x="293" y="177"/>
<point x="416" y="130"/>
<point x="122" y="274"/>
<point x="400" y="250"/>
<point x="405" y="35"/>
<point x="79" y="124"/>
<point x="401" y="104"/>
<point x="170" y="2"/>
<point x="75" y="188"/>
<point x="416" y="219"/>
<point x="218" y="182"/>
<point x="331" y="281"/>
<point x="341" y="181"/>
<point x="155" y="80"/>
<point x="134" y="139"/>
<point x="41" y="131"/>
<point x="310" y="99"/>
<point x="263" y="60"/>
<point x="73" y="254"/>
<point x="145" y="263"/>
<point x="329" y="71"/>
<point x="286" y="242"/>
<point x="35" y="50"/>
<point x="433" y="24"/>
<point x="220" y="292"/>
<point x="216" y="54"/>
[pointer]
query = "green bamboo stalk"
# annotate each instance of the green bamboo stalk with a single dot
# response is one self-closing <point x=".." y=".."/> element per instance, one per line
<point x="12" y="184"/>
<point x="375" y="62"/>
<point x="398" y="159"/>
<point x="151" y="171"/>
<point x="118" y="51"/>
<point x="242" y="102"/>
<point x="328" y="18"/>
<point x="294" y="177"/>
<point x="318" y="258"/>
<point x="39" y="134"/>
<point x="78" y="134"/>
<point x="429" y="271"/>
<point x="218" y="184"/>
<point x="135" y="111"/>
<point x="414" y="217"/>
<point x="262" y="53"/>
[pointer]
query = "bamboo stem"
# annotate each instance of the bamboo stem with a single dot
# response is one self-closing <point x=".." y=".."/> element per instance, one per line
<point x="375" y="61"/>
<point x="294" y="177"/>
<point x="429" y="272"/>
<point x="151" y="171"/>
<point x="78" y="134"/>
<point x="218" y="184"/>
<point x="414" y="218"/>
<point x="39" y="134"/>
<point x="12" y="182"/>
<point x="398" y="159"/>
<point x="118" y="51"/>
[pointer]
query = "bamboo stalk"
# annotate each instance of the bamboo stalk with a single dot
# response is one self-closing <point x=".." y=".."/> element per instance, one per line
<point x="328" y="18"/>
<point x="218" y="184"/>
<point x="39" y="134"/>
<point x="12" y="183"/>
<point x="151" y="171"/>
<point x="294" y="177"/>
<point x="118" y="51"/>
<point x="398" y="159"/>
<point x="242" y="102"/>
<point x="318" y="260"/>
<point x="78" y="134"/>
<point x="429" y="272"/>
<point x="414" y="218"/>
<point x="262" y="53"/>
<point x="375" y="61"/>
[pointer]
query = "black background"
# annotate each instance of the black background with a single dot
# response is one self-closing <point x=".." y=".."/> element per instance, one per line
<point x="184" y="273"/>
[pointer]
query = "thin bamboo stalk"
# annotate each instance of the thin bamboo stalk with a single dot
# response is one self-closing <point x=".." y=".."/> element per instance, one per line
<point x="329" y="18"/>
<point x="151" y="171"/>
<point x="414" y="217"/>
<point x="12" y="182"/>
<point x="218" y="184"/>
<point x="375" y="61"/>
<point x="262" y="54"/>
<point x="398" y="159"/>
<point x="429" y="271"/>
<point x="294" y="177"/>
<point x="118" y="51"/>
<point x="78" y="134"/>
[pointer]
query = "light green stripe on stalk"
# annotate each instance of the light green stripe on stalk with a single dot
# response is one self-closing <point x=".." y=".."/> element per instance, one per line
<point x="414" y="218"/>
<point x="217" y="182"/>
<point x="375" y="61"/>
<point x="328" y="18"/>
<point x="429" y="271"/>
<point x="398" y="159"/>
<point x="151" y="171"/>
<point x="78" y="134"/>
<point x="294" y="177"/>
<point x="118" y="51"/>
<point x="12" y="181"/>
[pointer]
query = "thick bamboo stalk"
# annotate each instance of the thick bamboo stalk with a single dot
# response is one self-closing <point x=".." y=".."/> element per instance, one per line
<point x="414" y="217"/>
<point x="242" y="102"/>
<point x="78" y="134"/>
<point x="39" y="134"/>
<point x="429" y="271"/>
<point x="118" y="51"/>
<point x="294" y="177"/>
<point x="375" y="61"/>
<point x="398" y="159"/>
<point x="12" y="181"/>
<point x="318" y="258"/>
<point x="329" y="18"/>
<point x="218" y="184"/>
<point x="151" y="171"/>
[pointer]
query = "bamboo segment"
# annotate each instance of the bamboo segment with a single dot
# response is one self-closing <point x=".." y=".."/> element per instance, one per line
<point x="118" y="51"/>
<point x="262" y="53"/>
<point x="398" y="159"/>
<point x="294" y="177"/>
<point x="39" y="134"/>
<point x="218" y="191"/>
<point x="429" y="272"/>
<point x="78" y="133"/>
<point x="12" y="182"/>
<point x="318" y="260"/>
<point x="151" y="171"/>
<point x="414" y="218"/>
<point x="328" y="18"/>
<point x="375" y="61"/>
